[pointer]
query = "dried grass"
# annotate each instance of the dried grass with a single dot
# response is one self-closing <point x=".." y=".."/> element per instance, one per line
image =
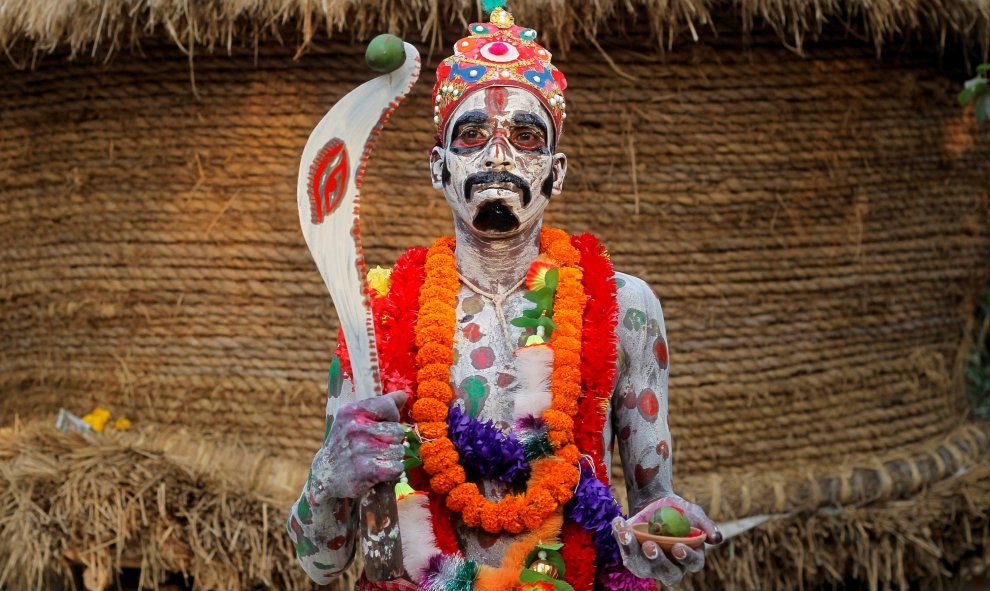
<point x="103" y="27"/>
<point x="213" y="511"/>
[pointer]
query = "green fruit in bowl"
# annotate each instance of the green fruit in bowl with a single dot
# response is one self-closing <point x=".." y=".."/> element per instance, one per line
<point x="669" y="521"/>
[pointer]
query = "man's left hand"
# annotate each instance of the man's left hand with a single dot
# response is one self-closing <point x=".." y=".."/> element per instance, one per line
<point x="648" y="561"/>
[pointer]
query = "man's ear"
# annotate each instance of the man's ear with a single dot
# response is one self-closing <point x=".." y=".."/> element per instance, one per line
<point x="436" y="166"/>
<point x="559" y="170"/>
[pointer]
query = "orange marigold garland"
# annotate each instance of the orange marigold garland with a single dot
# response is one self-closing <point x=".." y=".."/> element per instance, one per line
<point x="434" y="336"/>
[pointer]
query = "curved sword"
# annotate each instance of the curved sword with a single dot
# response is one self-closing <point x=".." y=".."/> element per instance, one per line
<point x="330" y="177"/>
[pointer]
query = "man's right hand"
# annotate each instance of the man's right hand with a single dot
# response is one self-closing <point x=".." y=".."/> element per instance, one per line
<point x="363" y="448"/>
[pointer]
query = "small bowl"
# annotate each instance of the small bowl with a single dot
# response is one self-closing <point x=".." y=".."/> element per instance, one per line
<point x="695" y="540"/>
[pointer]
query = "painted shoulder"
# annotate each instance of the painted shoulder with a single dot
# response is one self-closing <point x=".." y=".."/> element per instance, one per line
<point x="633" y="292"/>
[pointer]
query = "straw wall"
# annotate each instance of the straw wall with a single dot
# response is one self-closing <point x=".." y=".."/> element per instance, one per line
<point x="815" y="227"/>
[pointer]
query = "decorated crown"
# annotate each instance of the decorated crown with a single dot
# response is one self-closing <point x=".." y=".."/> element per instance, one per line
<point x="498" y="53"/>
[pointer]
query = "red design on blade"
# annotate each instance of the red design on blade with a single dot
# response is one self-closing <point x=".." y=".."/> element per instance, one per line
<point x="327" y="180"/>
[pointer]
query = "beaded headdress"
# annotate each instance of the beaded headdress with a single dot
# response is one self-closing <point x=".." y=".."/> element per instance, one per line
<point x="498" y="53"/>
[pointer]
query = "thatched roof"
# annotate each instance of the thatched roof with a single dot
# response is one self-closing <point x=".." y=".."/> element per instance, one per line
<point x="101" y="27"/>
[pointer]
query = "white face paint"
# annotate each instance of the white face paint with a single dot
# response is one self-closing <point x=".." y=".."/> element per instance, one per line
<point x="497" y="169"/>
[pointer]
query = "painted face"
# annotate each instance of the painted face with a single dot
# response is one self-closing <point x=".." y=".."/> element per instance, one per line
<point x="497" y="168"/>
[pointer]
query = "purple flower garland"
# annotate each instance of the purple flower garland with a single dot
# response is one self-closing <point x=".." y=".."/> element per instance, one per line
<point x="484" y="448"/>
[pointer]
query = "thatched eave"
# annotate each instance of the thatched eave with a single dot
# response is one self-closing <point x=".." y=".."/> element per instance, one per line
<point x="101" y="27"/>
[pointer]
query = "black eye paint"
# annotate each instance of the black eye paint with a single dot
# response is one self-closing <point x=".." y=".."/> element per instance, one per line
<point x="531" y="120"/>
<point x="469" y="118"/>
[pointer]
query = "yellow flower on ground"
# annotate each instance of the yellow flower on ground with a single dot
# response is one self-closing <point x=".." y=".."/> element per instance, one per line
<point x="122" y="424"/>
<point x="97" y="422"/>
<point x="380" y="279"/>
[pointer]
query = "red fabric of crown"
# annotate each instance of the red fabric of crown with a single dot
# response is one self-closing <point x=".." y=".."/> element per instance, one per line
<point x="498" y="53"/>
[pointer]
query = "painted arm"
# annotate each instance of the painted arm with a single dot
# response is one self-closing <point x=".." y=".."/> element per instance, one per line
<point x="639" y="416"/>
<point x="362" y="446"/>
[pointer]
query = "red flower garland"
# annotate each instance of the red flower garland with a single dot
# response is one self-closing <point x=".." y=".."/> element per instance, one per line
<point x="579" y="557"/>
<point x="395" y="320"/>
<point x="598" y="348"/>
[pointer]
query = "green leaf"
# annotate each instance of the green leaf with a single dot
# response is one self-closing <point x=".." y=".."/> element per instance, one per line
<point x="410" y="463"/>
<point x="413" y="441"/>
<point x="533" y="313"/>
<point x="545" y="322"/>
<point x="536" y="295"/>
<point x="983" y="68"/>
<point x="982" y="108"/>
<point x="965" y="96"/>
<point x="524" y="322"/>
<point x="553" y="276"/>
<point x="531" y="576"/>
<point x="556" y="546"/>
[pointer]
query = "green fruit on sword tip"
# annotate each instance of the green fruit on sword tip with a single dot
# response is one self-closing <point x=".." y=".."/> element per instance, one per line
<point x="385" y="53"/>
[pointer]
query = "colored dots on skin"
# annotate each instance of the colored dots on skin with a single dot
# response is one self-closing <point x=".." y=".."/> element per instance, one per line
<point x="475" y="389"/>
<point x="629" y="397"/>
<point x="660" y="349"/>
<point x="487" y="540"/>
<point x="663" y="450"/>
<point x="634" y="319"/>
<point x="473" y="305"/>
<point x="472" y="332"/>
<point x="482" y="357"/>
<point x="644" y="476"/>
<point x="337" y="543"/>
<point x="649" y="405"/>
<point x="625" y="433"/>
<point x="504" y="379"/>
<point x="304" y="510"/>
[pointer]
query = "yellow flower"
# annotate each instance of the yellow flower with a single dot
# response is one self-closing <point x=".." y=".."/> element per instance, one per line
<point x="122" y="424"/>
<point x="97" y="422"/>
<point x="379" y="279"/>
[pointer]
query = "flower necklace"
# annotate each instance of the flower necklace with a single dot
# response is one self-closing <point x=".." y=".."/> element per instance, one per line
<point x="435" y="329"/>
<point x="589" y="550"/>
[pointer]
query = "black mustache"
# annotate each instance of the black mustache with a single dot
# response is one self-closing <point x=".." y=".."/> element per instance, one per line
<point x="484" y="178"/>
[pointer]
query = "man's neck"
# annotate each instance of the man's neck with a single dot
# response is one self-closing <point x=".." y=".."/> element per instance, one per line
<point x="496" y="265"/>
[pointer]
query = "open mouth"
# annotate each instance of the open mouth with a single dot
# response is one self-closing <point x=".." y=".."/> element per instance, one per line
<point x="496" y="216"/>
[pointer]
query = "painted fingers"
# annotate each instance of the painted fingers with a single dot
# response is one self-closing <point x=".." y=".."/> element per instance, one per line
<point x="649" y="561"/>
<point x="363" y="448"/>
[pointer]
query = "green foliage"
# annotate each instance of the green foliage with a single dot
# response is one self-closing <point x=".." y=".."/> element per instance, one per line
<point x="978" y="362"/>
<point x="977" y="91"/>
<point x="411" y="446"/>
<point x="541" y="313"/>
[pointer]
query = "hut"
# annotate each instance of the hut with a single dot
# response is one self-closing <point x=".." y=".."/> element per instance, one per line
<point x="795" y="179"/>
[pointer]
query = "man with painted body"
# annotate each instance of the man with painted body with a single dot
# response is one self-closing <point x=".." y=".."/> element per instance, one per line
<point x="498" y="168"/>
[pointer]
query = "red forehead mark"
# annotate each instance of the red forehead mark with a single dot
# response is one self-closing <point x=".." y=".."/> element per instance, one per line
<point x="495" y="100"/>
